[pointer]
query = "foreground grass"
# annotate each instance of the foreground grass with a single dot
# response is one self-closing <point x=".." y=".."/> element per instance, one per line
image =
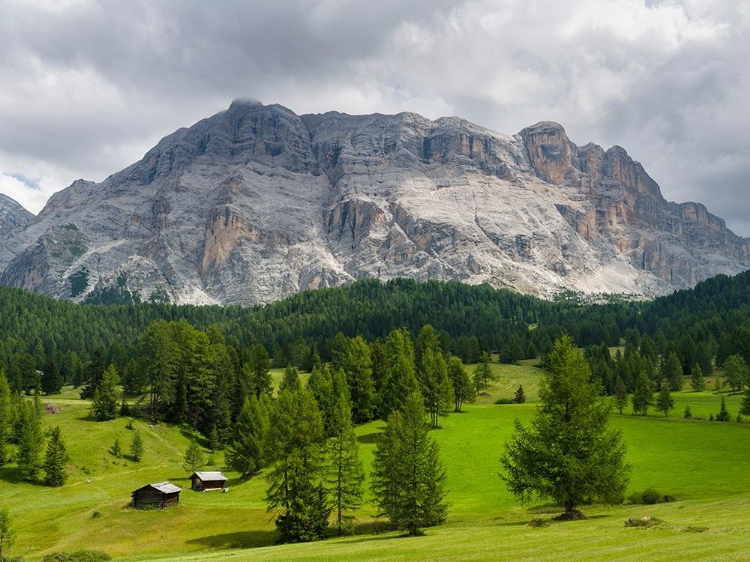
<point x="703" y="464"/>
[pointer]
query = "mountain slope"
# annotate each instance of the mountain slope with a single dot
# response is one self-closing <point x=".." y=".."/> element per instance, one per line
<point x="256" y="203"/>
<point x="12" y="216"/>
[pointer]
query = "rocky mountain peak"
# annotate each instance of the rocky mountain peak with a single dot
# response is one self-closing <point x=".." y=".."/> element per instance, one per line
<point x="256" y="203"/>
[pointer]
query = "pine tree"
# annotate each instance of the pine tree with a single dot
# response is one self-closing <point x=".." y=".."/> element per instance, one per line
<point x="52" y="381"/>
<point x="104" y="401"/>
<point x="295" y="449"/>
<point x="671" y="370"/>
<point x="463" y="390"/>
<point x="30" y="442"/>
<point x="483" y="373"/>
<point x="568" y="454"/>
<point x="408" y="479"/>
<point x="245" y="454"/>
<point x="56" y="460"/>
<point x="643" y="396"/>
<point x="687" y="414"/>
<point x="5" y="417"/>
<point x="194" y="458"/>
<point x="400" y="378"/>
<point x="436" y="386"/>
<point x="520" y="396"/>
<point x="290" y="379"/>
<point x="345" y="472"/>
<point x="259" y="371"/>
<point x="7" y="534"/>
<point x="357" y="366"/>
<point x="697" y="382"/>
<point x="136" y="446"/>
<point x="116" y="449"/>
<point x="735" y="372"/>
<point x="320" y="384"/>
<point x="665" y="402"/>
<point x="723" y="414"/>
<point x="621" y="395"/>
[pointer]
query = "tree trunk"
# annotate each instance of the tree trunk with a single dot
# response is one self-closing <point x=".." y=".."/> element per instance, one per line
<point x="569" y="506"/>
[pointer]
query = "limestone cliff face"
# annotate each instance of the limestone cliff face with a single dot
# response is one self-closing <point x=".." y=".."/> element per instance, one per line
<point x="256" y="203"/>
<point x="12" y="217"/>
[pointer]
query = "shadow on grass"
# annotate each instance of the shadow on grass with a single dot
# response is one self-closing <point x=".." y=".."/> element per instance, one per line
<point x="371" y="438"/>
<point x="12" y="475"/>
<point x="243" y="539"/>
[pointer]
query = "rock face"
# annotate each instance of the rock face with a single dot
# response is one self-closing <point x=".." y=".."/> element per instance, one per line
<point x="256" y="203"/>
<point x="12" y="217"/>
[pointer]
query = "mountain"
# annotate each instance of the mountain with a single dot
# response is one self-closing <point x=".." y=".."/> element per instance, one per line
<point x="12" y="216"/>
<point x="256" y="203"/>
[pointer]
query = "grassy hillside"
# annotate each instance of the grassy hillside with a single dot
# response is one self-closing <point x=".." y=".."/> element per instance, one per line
<point x="702" y="463"/>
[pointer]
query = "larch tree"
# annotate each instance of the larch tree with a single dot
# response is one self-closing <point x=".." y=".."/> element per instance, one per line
<point x="56" y="460"/>
<point x="483" y="374"/>
<point x="400" y="377"/>
<point x="5" y="417"/>
<point x="643" y="395"/>
<point x="345" y="473"/>
<point x="664" y="401"/>
<point x="621" y="395"/>
<point x="735" y="372"/>
<point x="194" y="458"/>
<point x="697" y="382"/>
<point x="568" y="454"/>
<point x="30" y="442"/>
<point x="245" y="454"/>
<point x="290" y="379"/>
<point x="671" y="369"/>
<point x="463" y="389"/>
<point x="408" y="479"/>
<point x="136" y="446"/>
<point x="104" y="401"/>
<point x="437" y="389"/>
<point x="7" y="534"/>
<point x="295" y="445"/>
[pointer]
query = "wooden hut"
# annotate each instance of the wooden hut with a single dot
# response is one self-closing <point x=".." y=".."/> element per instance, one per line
<point x="208" y="481"/>
<point x="161" y="494"/>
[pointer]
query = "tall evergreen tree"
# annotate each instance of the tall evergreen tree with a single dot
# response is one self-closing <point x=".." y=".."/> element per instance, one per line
<point x="483" y="373"/>
<point x="30" y="442"/>
<point x="345" y="473"/>
<point x="621" y="395"/>
<point x="671" y="370"/>
<point x="400" y="378"/>
<point x="93" y="374"/>
<point x="463" y="389"/>
<point x="356" y="364"/>
<point x="52" y="381"/>
<point x="55" y="460"/>
<point x="437" y="389"/>
<point x="665" y="402"/>
<point x="5" y="416"/>
<point x="104" y="402"/>
<point x="259" y="371"/>
<point x="320" y="384"/>
<point x="245" y="454"/>
<point x="7" y="534"/>
<point x="290" y="379"/>
<point x="569" y="454"/>
<point x="295" y="449"/>
<point x="408" y="479"/>
<point x="697" y="382"/>
<point x="194" y="458"/>
<point x="735" y="372"/>
<point x="723" y="414"/>
<point x="136" y="446"/>
<point x="643" y="395"/>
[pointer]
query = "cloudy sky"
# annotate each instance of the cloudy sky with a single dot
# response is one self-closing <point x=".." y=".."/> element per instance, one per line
<point x="86" y="87"/>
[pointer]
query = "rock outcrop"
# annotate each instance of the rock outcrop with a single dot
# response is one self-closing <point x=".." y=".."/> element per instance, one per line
<point x="256" y="203"/>
<point x="12" y="217"/>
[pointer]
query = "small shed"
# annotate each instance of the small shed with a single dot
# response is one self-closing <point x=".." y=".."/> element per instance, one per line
<point x="161" y="494"/>
<point x="208" y="481"/>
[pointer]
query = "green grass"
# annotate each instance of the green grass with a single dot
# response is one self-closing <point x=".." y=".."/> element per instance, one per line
<point x="703" y="464"/>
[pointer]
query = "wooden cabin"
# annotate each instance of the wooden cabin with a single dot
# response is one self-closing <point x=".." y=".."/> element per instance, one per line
<point x="208" y="481"/>
<point x="161" y="494"/>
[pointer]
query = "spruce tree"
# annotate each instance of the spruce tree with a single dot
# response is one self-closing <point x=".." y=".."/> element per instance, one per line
<point x="621" y="395"/>
<point x="697" y="382"/>
<point x="52" y="381"/>
<point x="290" y="379"/>
<point x="30" y="442"/>
<point x="245" y="453"/>
<point x="116" y="449"/>
<point x="104" y="401"/>
<point x="687" y="414"/>
<point x="357" y="366"/>
<point x="735" y="372"/>
<point x="194" y="458"/>
<point x="723" y="414"/>
<point x="295" y="448"/>
<point x="408" y="479"/>
<point x="259" y="371"/>
<point x="136" y="446"/>
<point x="665" y="402"/>
<point x="463" y="389"/>
<point x="56" y="460"/>
<point x="671" y="370"/>
<point x="320" y="384"/>
<point x="520" y="396"/>
<point x="7" y="534"/>
<point x="437" y="389"/>
<point x="483" y="373"/>
<point x="643" y="396"/>
<point x="568" y="454"/>
<point x="400" y="377"/>
<point x="345" y="472"/>
<point x="5" y="417"/>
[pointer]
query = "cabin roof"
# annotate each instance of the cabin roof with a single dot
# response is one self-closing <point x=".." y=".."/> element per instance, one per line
<point x="210" y="476"/>
<point x="164" y="487"/>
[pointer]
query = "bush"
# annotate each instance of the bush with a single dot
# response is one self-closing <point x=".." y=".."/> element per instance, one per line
<point x="78" y="556"/>
<point x="505" y="401"/>
<point x="643" y="522"/>
<point x="649" y="496"/>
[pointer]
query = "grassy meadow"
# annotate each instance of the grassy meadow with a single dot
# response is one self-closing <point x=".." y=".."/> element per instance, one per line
<point x="703" y="464"/>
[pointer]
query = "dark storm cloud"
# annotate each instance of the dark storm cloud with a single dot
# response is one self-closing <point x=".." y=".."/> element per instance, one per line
<point x="87" y="87"/>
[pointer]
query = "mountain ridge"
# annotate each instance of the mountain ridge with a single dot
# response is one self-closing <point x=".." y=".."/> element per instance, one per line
<point x="255" y="203"/>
